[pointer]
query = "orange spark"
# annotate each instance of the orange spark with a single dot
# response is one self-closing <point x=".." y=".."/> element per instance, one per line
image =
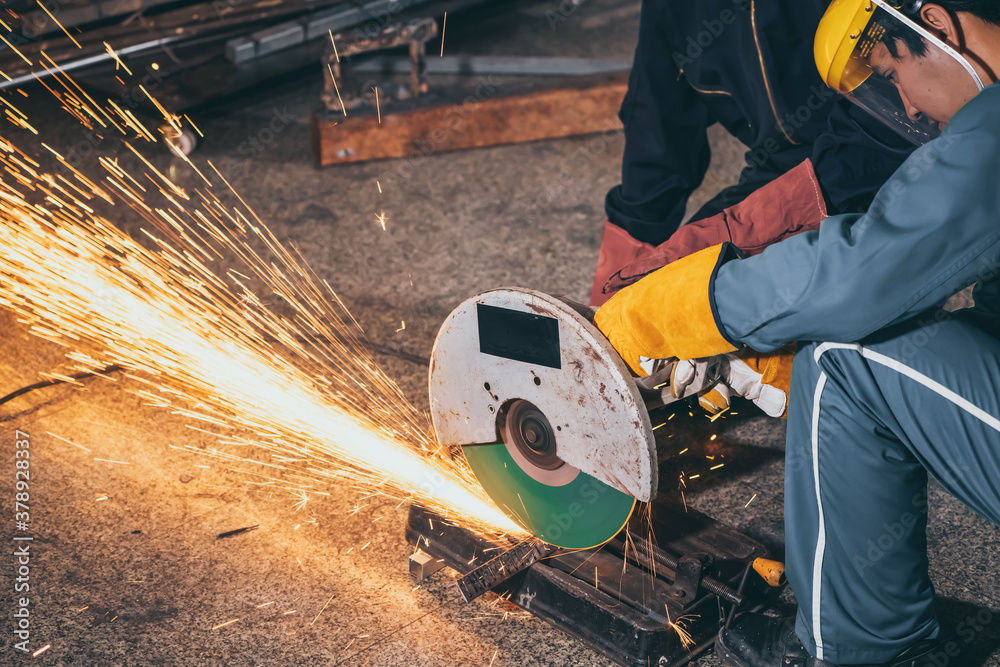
<point x="337" y="88"/>
<point x="444" y="26"/>
<point x="56" y="21"/>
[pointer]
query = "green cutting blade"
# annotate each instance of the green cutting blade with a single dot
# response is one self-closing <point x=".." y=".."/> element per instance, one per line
<point x="582" y="514"/>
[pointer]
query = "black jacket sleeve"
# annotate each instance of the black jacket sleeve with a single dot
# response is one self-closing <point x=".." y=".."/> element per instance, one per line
<point x="854" y="157"/>
<point x="666" y="141"/>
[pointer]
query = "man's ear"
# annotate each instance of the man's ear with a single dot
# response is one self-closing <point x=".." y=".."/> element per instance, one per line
<point x="940" y="21"/>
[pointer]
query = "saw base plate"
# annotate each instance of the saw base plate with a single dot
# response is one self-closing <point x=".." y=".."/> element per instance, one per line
<point x="603" y="597"/>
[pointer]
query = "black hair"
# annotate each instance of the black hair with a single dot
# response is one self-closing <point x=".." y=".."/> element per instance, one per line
<point x="896" y="32"/>
<point x="987" y="10"/>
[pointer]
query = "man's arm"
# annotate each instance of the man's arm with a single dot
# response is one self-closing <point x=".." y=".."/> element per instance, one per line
<point x="932" y="230"/>
<point x="788" y="205"/>
<point x="666" y="142"/>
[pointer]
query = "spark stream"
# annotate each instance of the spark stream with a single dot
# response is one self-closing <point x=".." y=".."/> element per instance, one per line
<point x="296" y="394"/>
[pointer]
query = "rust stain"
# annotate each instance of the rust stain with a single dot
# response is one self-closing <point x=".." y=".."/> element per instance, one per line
<point x="541" y="308"/>
<point x="603" y="390"/>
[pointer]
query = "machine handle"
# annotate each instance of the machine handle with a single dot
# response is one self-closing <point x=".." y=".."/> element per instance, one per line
<point x="656" y="389"/>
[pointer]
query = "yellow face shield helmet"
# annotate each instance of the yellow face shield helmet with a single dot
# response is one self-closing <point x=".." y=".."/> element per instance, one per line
<point x="851" y="31"/>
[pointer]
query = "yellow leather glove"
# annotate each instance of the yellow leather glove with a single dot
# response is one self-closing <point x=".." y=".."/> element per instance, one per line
<point x="763" y="378"/>
<point x="669" y="313"/>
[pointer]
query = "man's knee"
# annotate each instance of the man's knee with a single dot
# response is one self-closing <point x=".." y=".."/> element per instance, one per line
<point x="838" y="362"/>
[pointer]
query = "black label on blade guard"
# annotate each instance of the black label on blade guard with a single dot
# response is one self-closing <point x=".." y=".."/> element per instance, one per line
<point x="513" y="334"/>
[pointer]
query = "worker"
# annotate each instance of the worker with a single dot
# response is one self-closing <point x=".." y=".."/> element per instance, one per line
<point x="746" y="65"/>
<point x="884" y="388"/>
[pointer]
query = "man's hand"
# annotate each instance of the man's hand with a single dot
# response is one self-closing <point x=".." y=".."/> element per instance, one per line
<point x="668" y="313"/>
<point x="761" y="378"/>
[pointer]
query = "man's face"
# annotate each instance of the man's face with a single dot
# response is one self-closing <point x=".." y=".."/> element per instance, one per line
<point x="933" y="86"/>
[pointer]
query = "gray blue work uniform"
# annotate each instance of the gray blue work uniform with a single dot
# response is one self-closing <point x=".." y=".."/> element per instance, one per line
<point x="886" y="387"/>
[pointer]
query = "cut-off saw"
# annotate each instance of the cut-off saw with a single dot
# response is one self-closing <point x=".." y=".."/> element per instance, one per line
<point x="557" y="431"/>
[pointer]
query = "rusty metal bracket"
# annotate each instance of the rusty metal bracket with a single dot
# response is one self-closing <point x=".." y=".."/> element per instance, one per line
<point x="414" y="34"/>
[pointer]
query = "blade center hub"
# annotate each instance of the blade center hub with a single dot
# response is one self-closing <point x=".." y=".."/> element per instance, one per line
<point x="529" y="431"/>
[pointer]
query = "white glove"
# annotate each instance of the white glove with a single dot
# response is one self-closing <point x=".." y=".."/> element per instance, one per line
<point x="737" y="379"/>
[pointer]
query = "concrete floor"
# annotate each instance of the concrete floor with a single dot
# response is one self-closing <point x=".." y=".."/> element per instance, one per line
<point x="139" y="578"/>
